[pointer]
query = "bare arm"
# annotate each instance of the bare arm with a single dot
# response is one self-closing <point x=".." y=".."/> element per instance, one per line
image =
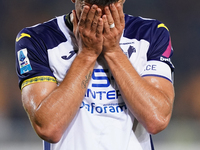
<point x="150" y="99"/>
<point x="51" y="108"/>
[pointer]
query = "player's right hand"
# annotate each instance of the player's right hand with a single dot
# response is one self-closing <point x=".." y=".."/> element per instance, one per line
<point x="88" y="30"/>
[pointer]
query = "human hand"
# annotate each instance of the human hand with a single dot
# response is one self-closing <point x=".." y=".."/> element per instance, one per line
<point x="112" y="34"/>
<point x="88" y="30"/>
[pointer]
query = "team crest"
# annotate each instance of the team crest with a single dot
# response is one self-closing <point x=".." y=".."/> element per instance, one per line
<point x="131" y="50"/>
<point x="24" y="62"/>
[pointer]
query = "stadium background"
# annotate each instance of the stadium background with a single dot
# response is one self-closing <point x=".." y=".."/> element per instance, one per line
<point x="181" y="17"/>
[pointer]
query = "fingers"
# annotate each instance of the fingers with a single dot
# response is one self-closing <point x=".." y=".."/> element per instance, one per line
<point x="121" y="14"/>
<point x="114" y="15"/>
<point x="95" y="22"/>
<point x="89" y="30"/>
<point x="99" y="31"/>
<point x="109" y="16"/>
<point x="83" y="16"/>
<point x="106" y="24"/>
<point x="91" y="17"/>
<point x="108" y="20"/>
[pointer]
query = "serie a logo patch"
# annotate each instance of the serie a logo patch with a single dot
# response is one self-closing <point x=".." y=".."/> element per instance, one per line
<point x="24" y="63"/>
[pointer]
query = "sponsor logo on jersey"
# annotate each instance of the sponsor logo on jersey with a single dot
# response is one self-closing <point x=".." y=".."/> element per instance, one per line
<point x="165" y="59"/>
<point x="101" y="80"/>
<point x="128" y="43"/>
<point x="22" y="35"/>
<point x="24" y="63"/>
<point x="131" y="50"/>
<point x="71" y="54"/>
<point x="102" y="95"/>
<point x="105" y="108"/>
<point x="152" y="67"/>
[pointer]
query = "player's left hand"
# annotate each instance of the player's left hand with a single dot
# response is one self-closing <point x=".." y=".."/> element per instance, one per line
<point x="114" y="24"/>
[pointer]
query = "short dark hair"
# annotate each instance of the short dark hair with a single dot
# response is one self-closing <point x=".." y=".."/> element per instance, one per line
<point x="101" y="2"/>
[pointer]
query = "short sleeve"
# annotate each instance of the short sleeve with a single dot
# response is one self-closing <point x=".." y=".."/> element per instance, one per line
<point x="160" y="53"/>
<point x="31" y="58"/>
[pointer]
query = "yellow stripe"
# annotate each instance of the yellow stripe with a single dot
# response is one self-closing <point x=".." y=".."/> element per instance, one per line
<point x="38" y="79"/>
<point x="22" y="35"/>
<point x="162" y="25"/>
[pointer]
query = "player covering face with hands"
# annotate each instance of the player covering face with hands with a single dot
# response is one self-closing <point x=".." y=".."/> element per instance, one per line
<point x="98" y="28"/>
<point x="96" y="78"/>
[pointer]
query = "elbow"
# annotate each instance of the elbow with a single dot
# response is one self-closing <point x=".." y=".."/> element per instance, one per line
<point x="157" y="125"/>
<point x="51" y="135"/>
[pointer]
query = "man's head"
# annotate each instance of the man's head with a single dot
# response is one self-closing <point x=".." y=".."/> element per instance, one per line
<point x="79" y="4"/>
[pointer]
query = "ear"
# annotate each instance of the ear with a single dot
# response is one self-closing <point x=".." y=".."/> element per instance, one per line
<point x="73" y="1"/>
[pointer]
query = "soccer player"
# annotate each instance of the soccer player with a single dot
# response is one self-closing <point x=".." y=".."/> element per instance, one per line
<point x="96" y="78"/>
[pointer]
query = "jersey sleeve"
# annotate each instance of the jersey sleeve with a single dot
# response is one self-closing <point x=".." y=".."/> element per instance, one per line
<point x="159" y="53"/>
<point x="32" y="63"/>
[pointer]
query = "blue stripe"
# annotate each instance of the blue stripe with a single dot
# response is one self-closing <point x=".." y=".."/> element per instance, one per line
<point x="157" y="76"/>
<point x="152" y="146"/>
<point x="46" y="145"/>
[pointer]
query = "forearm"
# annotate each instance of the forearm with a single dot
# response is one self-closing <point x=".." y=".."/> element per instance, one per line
<point x="146" y="102"/>
<point x="64" y="102"/>
<point x="56" y="111"/>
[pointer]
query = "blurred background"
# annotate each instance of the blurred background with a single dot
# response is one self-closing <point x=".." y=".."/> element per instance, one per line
<point x="182" y="17"/>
